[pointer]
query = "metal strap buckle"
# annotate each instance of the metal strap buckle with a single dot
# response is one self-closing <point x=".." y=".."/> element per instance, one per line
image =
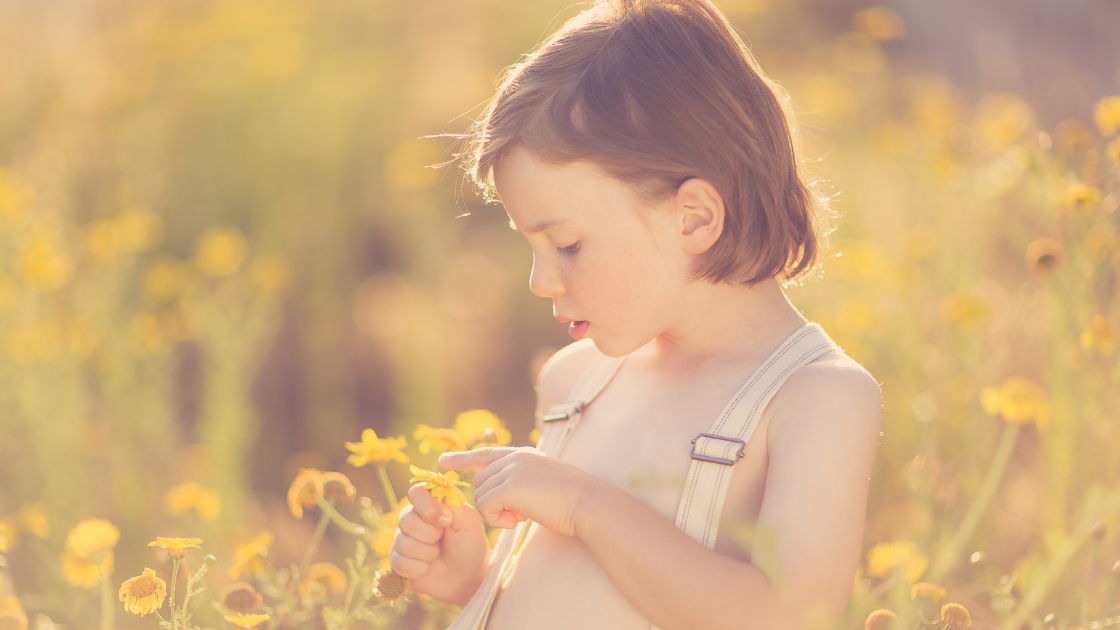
<point x="573" y="409"/>
<point x="717" y="460"/>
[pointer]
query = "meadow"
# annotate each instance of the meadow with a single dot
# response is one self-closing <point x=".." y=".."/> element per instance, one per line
<point x="240" y="312"/>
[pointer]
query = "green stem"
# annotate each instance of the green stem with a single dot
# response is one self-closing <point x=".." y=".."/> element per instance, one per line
<point x="186" y="600"/>
<point x="1041" y="588"/>
<point x="316" y="538"/>
<point x="174" y="579"/>
<point x="387" y="487"/>
<point x="1088" y="583"/>
<point x="108" y="608"/>
<point x="949" y="555"/>
<point x="340" y="520"/>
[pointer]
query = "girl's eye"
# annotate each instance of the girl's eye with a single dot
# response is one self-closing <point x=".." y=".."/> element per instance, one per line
<point x="569" y="250"/>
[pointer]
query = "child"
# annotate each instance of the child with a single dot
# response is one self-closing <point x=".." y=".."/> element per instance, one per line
<point x="649" y="163"/>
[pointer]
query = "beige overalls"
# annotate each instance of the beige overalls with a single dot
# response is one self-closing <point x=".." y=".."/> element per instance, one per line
<point x="713" y="454"/>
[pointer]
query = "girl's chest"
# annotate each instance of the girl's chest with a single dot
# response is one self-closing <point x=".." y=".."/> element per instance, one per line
<point x="638" y="436"/>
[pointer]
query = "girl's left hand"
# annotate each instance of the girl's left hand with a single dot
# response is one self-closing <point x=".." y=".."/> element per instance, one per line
<point x="513" y="484"/>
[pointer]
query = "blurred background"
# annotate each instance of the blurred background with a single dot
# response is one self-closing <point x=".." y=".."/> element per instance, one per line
<point x="222" y="255"/>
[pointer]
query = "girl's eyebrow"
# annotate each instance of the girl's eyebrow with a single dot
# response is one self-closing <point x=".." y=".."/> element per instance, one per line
<point x="542" y="225"/>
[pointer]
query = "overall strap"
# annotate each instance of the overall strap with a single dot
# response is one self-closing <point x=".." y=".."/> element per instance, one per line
<point x="716" y="452"/>
<point x="559" y="423"/>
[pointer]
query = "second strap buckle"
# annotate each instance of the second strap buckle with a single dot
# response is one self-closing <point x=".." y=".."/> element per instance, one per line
<point x="717" y="460"/>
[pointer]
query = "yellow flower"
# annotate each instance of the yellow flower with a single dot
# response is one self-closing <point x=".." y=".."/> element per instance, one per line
<point x="925" y="589"/>
<point x="390" y="587"/>
<point x="8" y="534"/>
<point x="438" y="440"/>
<point x="1100" y="336"/>
<point x="89" y="552"/>
<point x="240" y="597"/>
<point x="191" y="495"/>
<point x="164" y="280"/>
<point x="241" y="620"/>
<point x="220" y="252"/>
<point x="955" y="615"/>
<point x="84" y="572"/>
<point x="100" y="241"/>
<point x="137" y="229"/>
<point x="1080" y="196"/>
<point x="91" y="536"/>
<point x="535" y="436"/>
<point x="1044" y="255"/>
<point x="879" y="23"/>
<point x="1106" y="113"/>
<point x="176" y="547"/>
<point x="861" y="260"/>
<point x="42" y="266"/>
<point x="1018" y="400"/>
<point x="305" y="487"/>
<point x="442" y="485"/>
<point x="337" y="486"/>
<point x="14" y="197"/>
<point x="965" y="309"/>
<point x="886" y="557"/>
<point x="33" y="518"/>
<point x="881" y="619"/>
<point x="1101" y="242"/>
<point x="1113" y="150"/>
<point x="250" y="556"/>
<point x="320" y="578"/>
<point x="9" y="603"/>
<point x="482" y="426"/>
<point x="12" y="616"/>
<point x="375" y="451"/>
<point x="143" y="594"/>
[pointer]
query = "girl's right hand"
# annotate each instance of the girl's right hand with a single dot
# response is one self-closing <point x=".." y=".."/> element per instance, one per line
<point x="443" y="550"/>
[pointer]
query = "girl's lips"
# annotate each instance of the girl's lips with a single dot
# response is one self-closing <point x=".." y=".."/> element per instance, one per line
<point x="578" y="329"/>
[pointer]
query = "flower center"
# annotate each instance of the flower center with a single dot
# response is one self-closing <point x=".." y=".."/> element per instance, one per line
<point x="142" y="586"/>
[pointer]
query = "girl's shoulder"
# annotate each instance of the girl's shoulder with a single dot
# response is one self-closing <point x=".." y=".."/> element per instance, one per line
<point x="561" y="371"/>
<point x="832" y="388"/>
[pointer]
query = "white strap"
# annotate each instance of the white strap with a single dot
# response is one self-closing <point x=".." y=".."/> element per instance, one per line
<point x="559" y="423"/>
<point x="715" y="453"/>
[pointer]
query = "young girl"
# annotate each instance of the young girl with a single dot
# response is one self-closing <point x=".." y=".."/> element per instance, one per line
<point x="705" y="450"/>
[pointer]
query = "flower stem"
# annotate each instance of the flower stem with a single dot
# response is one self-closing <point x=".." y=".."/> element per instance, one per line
<point x="948" y="557"/>
<point x="316" y="538"/>
<point x="387" y="487"/>
<point x="174" y="579"/>
<point x="1088" y="583"/>
<point x="107" y="606"/>
<point x="1041" y="587"/>
<point x="340" y="520"/>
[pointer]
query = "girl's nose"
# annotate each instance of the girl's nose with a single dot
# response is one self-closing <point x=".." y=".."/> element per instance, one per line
<point x="544" y="282"/>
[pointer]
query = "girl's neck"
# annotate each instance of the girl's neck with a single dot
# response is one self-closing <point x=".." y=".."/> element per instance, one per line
<point x="722" y="323"/>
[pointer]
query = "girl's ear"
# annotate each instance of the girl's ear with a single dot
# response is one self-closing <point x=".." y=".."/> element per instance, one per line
<point x="699" y="209"/>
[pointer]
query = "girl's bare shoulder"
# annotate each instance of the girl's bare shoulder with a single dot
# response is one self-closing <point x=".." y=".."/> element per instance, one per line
<point x="833" y="386"/>
<point x="560" y="373"/>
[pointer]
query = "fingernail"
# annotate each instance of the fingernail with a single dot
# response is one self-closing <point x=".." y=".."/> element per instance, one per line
<point x="444" y="519"/>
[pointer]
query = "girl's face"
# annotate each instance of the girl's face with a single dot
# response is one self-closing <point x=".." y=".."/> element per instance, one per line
<point x="612" y="265"/>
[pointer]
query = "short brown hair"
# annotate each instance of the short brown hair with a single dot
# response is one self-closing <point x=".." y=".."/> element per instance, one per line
<point x="656" y="92"/>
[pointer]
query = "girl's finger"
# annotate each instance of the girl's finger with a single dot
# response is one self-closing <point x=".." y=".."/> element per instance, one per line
<point x="428" y="507"/>
<point x="411" y="524"/>
<point x="409" y="547"/>
<point x="476" y="459"/>
<point x="407" y="567"/>
<point x="493" y="510"/>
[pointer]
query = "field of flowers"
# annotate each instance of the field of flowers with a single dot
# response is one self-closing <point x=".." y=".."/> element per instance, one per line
<point x="239" y="317"/>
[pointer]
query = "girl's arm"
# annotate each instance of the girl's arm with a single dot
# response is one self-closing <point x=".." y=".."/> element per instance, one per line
<point x="814" y="500"/>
